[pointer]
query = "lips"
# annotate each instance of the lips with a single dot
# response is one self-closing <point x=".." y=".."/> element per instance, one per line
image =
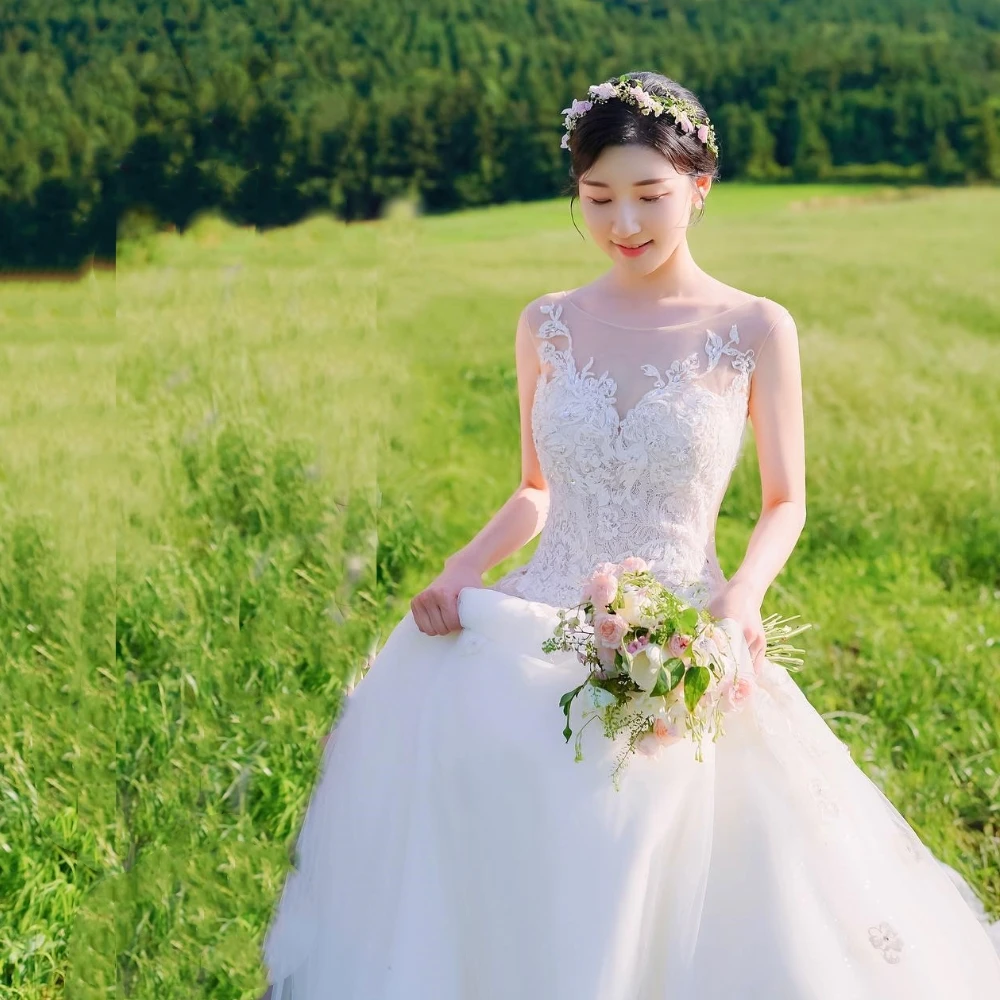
<point x="633" y="251"/>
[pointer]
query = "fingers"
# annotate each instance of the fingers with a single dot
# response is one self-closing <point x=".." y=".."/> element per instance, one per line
<point x="757" y="644"/>
<point x="436" y="614"/>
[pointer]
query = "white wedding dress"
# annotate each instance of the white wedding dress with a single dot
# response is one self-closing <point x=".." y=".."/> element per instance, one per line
<point x="455" y="850"/>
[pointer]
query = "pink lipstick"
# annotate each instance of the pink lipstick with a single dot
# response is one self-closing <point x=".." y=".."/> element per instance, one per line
<point x="633" y="251"/>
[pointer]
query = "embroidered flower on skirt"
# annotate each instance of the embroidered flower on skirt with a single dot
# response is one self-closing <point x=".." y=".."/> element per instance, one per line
<point x="886" y="940"/>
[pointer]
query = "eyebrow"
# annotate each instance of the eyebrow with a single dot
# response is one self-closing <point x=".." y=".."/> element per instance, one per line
<point x="652" y="180"/>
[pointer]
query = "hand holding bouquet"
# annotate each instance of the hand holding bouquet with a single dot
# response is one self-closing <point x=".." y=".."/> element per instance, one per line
<point x="661" y="670"/>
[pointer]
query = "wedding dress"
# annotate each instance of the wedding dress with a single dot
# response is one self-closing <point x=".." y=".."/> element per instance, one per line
<point x="454" y="849"/>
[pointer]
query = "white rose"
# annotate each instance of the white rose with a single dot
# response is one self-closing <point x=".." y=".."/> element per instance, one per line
<point x="646" y="665"/>
<point x="633" y="605"/>
<point x="648" y="619"/>
<point x="638" y="608"/>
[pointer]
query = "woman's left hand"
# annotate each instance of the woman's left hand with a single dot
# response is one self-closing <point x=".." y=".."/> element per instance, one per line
<point x="737" y="602"/>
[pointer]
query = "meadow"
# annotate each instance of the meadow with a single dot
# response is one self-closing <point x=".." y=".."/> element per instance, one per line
<point x="225" y="469"/>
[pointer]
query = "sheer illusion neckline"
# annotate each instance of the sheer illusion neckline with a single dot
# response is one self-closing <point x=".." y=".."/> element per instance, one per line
<point x="702" y="321"/>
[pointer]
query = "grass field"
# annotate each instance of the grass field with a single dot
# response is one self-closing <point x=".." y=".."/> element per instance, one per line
<point x="225" y="470"/>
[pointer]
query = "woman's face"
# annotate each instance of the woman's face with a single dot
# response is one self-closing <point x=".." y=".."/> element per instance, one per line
<point x="633" y="196"/>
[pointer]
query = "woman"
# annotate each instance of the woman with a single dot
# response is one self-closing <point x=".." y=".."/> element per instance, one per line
<point x="454" y="848"/>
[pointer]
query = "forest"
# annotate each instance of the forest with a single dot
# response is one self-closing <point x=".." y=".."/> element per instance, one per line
<point x="118" y="114"/>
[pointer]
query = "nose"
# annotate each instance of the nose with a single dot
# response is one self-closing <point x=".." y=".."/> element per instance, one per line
<point x="625" y="223"/>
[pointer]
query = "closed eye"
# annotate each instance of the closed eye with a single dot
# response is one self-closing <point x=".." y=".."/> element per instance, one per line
<point x="607" y="201"/>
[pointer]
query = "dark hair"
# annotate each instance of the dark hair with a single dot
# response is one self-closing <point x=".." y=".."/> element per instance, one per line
<point x="615" y="122"/>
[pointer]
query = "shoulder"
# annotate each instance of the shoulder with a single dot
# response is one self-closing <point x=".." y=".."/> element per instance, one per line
<point x="539" y="305"/>
<point x="774" y="326"/>
<point x="772" y="315"/>
<point x="544" y="308"/>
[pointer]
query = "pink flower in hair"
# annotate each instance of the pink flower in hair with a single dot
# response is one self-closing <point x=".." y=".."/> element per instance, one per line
<point x="577" y="107"/>
<point x="703" y="133"/>
<point x="602" y="91"/>
<point x="685" y="122"/>
<point x="642" y="98"/>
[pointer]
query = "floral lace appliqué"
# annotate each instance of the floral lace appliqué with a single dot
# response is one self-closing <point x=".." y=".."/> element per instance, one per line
<point x="647" y="483"/>
<point x="885" y="938"/>
<point x="471" y="643"/>
<point x="825" y="802"/>
<point x="743" y="361"/>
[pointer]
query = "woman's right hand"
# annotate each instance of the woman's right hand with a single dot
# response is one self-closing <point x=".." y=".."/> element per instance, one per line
<point x="435" y="609"/>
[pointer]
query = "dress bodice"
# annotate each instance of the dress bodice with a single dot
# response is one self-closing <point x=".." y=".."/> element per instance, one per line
<point x="646" y="478"/>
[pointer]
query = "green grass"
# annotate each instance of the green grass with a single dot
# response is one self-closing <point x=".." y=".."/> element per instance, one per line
<point x="225" y="471"/>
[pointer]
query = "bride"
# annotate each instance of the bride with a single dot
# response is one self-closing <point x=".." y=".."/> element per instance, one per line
<point x="454" y="848"/>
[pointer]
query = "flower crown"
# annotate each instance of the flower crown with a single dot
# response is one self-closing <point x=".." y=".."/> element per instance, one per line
<point x="684" y="112"/>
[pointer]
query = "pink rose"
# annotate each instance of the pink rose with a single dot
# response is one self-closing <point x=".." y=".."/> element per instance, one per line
<point x="634" y="564"/>
<point x="609" y="630"/>
<point x="636" y="644"/>
<point x="678" y="644"/>
<point x="668" y="731"/>
<point x="685" y="123"/>
<point x="703" y="133"/>
<point x="605" y="567"/>
<point x="601" y="589"/>
<point x="733" y="696"/>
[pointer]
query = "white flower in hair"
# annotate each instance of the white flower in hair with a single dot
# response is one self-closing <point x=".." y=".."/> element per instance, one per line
<point x="684" y="112"/>
<point x="602" y="91"/>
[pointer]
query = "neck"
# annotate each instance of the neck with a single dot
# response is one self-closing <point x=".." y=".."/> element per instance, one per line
<point x="678" y="277"/>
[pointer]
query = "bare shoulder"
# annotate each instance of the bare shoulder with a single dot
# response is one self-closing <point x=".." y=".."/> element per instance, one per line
<point x="772" y="314"/>
<point x="534" y="307"/>
<point x="534" y="312"/>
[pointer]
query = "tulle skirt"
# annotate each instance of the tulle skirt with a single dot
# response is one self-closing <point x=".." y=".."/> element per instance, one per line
<point x="454" y="849"/>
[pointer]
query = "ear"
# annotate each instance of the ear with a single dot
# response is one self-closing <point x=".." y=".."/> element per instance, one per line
<point x="703" y="184"/>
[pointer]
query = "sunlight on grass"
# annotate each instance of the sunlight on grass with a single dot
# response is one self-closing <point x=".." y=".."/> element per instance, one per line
<point x="225" y="470"/>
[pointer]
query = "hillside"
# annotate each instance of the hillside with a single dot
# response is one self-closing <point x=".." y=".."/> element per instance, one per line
<point x="269" y="111"/>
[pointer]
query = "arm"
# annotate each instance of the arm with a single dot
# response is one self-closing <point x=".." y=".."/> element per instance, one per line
<point x="435" y="609"/>
<point x="776" y="413"/>
<point x="524" y="514"/>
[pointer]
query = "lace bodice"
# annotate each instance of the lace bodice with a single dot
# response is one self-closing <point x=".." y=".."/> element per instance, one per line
<point x="638" y="457"/>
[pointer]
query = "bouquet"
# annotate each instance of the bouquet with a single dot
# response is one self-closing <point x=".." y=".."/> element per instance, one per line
<point x="661" y="669"/>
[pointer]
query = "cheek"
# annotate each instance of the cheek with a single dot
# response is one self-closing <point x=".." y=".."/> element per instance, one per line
<point x="593" y="215"/>
<point x="669" y="216"/>
<point x="597" y="220"/>
<point x="667" y="211"/>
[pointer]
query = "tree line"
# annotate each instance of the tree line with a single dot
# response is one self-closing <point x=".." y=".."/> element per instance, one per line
<point x="271" y="110"/>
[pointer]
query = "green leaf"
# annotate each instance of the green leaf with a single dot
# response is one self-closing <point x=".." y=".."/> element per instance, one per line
<point x="696" y="682"/>
<point x="677" y="669"/>
<point x="662" y="685"/>
<point x="688" y="619"/>
<point x="569" y="696"/>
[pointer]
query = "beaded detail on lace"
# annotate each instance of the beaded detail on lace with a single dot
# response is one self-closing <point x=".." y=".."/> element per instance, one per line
<point x="648" y="482"/>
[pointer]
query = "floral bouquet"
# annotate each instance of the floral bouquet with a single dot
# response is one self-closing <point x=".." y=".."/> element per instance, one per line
<point x="661" y="670"/>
